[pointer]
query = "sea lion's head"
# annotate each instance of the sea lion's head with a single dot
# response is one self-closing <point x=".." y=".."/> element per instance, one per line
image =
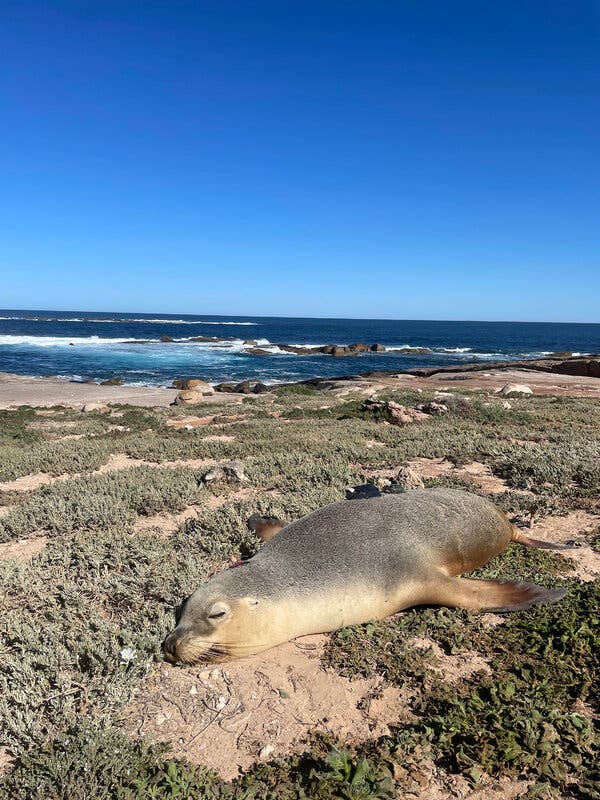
<point x="216" y="626"/>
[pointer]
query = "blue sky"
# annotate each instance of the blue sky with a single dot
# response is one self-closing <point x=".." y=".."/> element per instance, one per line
<point x="408" y="160"/>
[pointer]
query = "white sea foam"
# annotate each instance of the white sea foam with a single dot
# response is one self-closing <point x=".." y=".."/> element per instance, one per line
<point x="126" y="320"/>
<point x="60" y="341"/>
<point x="455" y="349"/>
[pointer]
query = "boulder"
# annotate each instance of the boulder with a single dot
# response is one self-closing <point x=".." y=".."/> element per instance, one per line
<point x="403" y="415"/>
<point x="338" y="350"/>
<point x="197" y="385"/>
<point x="166" y="338"/>
<point x="253" y="342"/>
<point x="194" y="384"/>
<point x="409" y="479"/>
<point x="112" y="382"/>
<point x="395" y="413"/>
<point x="214" y="475"/>
<point x="358" y="347"/>
<point x="515" y="388"/>
<point x="100" y="407"/>
<point x="232" y="471"/>
<point x="434" y="409"/>
<point x="377" y="348"/>
<point x="187" y="397"/>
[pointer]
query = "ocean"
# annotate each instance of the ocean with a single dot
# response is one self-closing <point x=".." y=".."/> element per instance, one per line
<point x="99" y="345"/>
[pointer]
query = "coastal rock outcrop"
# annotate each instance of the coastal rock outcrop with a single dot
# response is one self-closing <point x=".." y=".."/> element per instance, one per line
<point x="377" y="348"/>
<point x="195" y="385"/>
<point x="585" y="367"/>
<point x="101" y="408"/>
<point x="187" y="397"/>
<point x="515" y="388"/>
<point x="232" y="471"/>
<point x="409" y="479"/>
<point x="433" y="409"/>
<point x="244" y="387"/>
<point x="395" y="413"/>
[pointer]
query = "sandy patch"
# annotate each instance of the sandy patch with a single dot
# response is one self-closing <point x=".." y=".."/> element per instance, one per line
<point x="116" y="462"/>
<point x="28" y="483"/>
<point x="216" y="437"/>
<point x="164" y="525"/>
<point x="475" y="472"/>
<point x="189" y="422"/>
<point x="455" y="786"/>
<point x="258" y="708"/>
<point x="23" y="549"/>
<point x="576" y="526"/>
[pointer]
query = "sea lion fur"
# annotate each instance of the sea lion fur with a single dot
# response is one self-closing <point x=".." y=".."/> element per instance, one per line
<point x="349" y="563"/>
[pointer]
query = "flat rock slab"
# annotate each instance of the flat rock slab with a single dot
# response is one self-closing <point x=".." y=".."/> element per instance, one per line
<point x="491" y="380"/>
<point x="18" y="390"/>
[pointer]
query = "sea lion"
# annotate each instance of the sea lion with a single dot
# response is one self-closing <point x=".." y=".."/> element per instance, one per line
<point x="349" y="563"/>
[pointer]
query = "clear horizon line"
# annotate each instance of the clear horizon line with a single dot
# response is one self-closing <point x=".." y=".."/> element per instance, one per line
<point x="265" y="316"/>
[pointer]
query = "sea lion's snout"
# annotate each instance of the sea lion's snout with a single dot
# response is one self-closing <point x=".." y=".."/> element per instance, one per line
<point x="182" y="647"/>
<point x="171" y="644"/>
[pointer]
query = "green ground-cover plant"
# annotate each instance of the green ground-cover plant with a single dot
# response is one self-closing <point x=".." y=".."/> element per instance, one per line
<point x="99" y="588"/>
<point x="102" y="502"/>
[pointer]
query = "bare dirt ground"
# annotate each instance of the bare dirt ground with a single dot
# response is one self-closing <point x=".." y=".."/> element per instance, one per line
<point x="230" y="716"/>
<point x="23" y="550"/>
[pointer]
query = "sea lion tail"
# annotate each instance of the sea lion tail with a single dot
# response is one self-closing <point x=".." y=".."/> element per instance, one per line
<point x="529" y="541"/>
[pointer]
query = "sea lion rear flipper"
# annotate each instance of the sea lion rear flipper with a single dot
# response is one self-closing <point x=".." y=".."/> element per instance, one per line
<point x="480" y="595"/>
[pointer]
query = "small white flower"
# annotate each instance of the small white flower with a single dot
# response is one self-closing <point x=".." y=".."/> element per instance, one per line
<point x="127" y="655"/>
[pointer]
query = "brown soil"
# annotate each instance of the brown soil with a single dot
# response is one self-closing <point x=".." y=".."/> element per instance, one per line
<point x="189" y="422"/>
<point x="23" y="550"/>
<point x="577" y="527"/>
<point x="117" y="461"/>
<point x="475" y="472"/>
<point x="258" y="708"/>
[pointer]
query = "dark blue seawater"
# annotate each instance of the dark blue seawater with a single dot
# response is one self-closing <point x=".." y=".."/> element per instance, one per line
<point x="85" y="345"/>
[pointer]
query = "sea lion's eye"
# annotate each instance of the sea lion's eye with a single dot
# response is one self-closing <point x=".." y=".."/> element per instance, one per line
<point x="218" y="610"/>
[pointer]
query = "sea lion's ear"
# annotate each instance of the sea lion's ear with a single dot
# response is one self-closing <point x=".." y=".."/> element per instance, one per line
<point x="252" y="601"/>
<point x="219" y="612"/>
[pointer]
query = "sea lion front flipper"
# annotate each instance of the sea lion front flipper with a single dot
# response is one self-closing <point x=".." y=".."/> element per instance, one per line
<point x="480" y="595"/>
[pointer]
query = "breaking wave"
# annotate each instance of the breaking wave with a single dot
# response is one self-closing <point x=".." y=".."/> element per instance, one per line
<point x="123" y="320"/>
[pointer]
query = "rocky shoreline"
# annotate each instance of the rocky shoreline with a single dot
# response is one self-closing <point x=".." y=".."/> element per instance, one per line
<point x="570" y="375"/>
